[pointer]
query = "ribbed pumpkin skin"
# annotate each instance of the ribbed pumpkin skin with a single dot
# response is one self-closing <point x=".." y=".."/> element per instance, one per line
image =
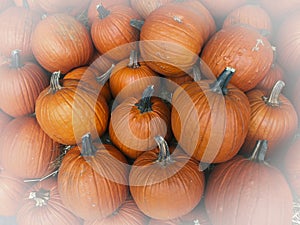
<point x="17" y="25"/>
<point x="244" y="192"/>
<point x="127" y="214"/>
<point x="12" y="191"/>
<point x="100" y="62"/>
<point x="20" y="152"/>
<point x="4" y="120"/>
<point x="113" y="35"/>
<point x="209" y="126"/>
<point x="145" y="7"/>
<point x="275" y="74"/>
<point x="133" y="132"/>
<point x="239" y="47"/>
<point x="275" y="124"/>
<point x="171" y="39"/>
<point x="93" y="187"/>
<point x="53" y="212"/>
<point x="70" y="42"/>
<point x="20" y="87"/>
<point x="166" y="191"/>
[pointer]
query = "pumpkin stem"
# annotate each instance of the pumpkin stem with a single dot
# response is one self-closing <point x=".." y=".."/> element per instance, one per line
<point x="138" y="24"/>
<point x="145" y="105"/>
<point x="25" y="4"/>
<point x="259" y="152"/>
<point x="164" y="152"/>
<point x="88" y="149"/>
<point x="196" y="73"/>
<point x="54" y="82"/>
<point x="220" y="85"/>
<point x="15" y="59"/>
<point x="41" y="197"/>
<point x="104" y="77"/>
<point x="133" y="60"/>
<point x="103" y="12"/>
<point x="273" y="99"/>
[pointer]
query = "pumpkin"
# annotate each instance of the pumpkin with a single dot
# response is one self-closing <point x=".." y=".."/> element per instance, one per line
<point x="66" y="113"/>
<point x="135" y="122"/>
<point x="252" y="15"/>
<point x="17" y="25"/>
<point x="127" y="214"/>
<point x="6" y="4"/>
<point x="4" y="120"/>
<point x="100" y="62"/>
<point x="92" y="180"/>
<point x="170" y="42"/>
<point x="242" y="48"/>
<point x="145" y="7"/>
<point x="92" y="12"/>
<point x="273" y="118"/>
<point x="291" y="165"/>
<point x="287" y="44"/>
<point x="59" y="37"/>
<point x="42" y="204"/>
<point x="88" y="77"/>
<point x="130" y="77"/>
<point x="163" y="185"/>
<point x="12" y="190"/>
<point x="21" y="84"/>
<point x="68" y="6"/>
<point x="198" y="215"/>
<point x="248" y="191"/>
<point x="23" y="156"/>
<point x="111" y="32"/>
<point x="210" y="118"/>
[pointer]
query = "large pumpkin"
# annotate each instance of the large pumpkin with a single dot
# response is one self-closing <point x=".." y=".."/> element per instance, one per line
<point x="26" y="151"/>
<point x="66" y="113"/>
<point x="93" y="179"/>
<point x="242" y="48"/>
<point x="21" y="84"/>
<point x="210" y="118"/>
<point x="165" y="186"/>
<point x="41" y="204"/>
<point x="60" y="42"/>
<point x="248" y="191"/>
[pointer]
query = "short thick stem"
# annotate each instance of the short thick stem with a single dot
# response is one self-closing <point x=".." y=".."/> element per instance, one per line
<point x="88" y="148"/>
<point x="133" y="60"/>
<point x="220" y="85"/>
<point x="196" y="73"/>
<point x="15" y="59"/>
<point x="138" y="24"/>
<point x="41" y="197"/>
<point x="103" y="12"/>
<point x="260" y="151"/>
<point x="145" y="105"/>
<point x="54" y="82"/>
<point x="273" y="99"/>
<point x="102" y="79"/>
<point x="164" y="152"/>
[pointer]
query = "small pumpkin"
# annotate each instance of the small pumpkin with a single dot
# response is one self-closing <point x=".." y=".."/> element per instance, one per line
<point x="111" y="32"/>
<point x="163" y="185"/>
<point x="273" y="118"/>
<point x="41" y="204"/>
<point x="21" y="155"/>
<point x="21" y="84"/>
<point x="145" y="7"/>
<point x="93" y="179"/>
<point x="66" y="113"/>
<point x="248" y="190"/>
<point x="60" y="42"/>
<point x="210" y="118"/>
<point x="130" y="77"/>
<point x="135" y="122"/>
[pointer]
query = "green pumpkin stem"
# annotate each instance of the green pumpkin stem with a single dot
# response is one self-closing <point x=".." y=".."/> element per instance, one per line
<point x="54" y="82"/>
<point x="133" y="60"/>
<point x="145" y="105"/>
<point x="40" y="197"/>
<point x="15" y="59"/>
<point x="259" y="152"/>
<point x="273" y="99"/>
<point x="103" y="12"/>
<point x="220" y="85"/>
<point x="88" y="148"/>
<point x="138" y="24"/>
<point x="104" y="77"/>
<point x="164" y="152"/>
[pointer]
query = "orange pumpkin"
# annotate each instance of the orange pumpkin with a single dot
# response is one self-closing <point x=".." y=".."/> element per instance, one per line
<point x="145" y="7"/>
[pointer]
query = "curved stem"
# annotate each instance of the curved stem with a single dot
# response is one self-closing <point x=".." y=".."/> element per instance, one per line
<point x="164" y="152"/>
<point x="54" y="82"/>
<point x="41" y="197"/>
<point x="104" y="77"/>
<point x="145" y="105"/>
<point x="273" y="99"/>
<point x="259" y="152"/>
<point x="15" y="59"/>
<point x="220" y="85"/>
<point x="133" y="60"/>
<point x="88" y="149"/>
<point x="138" y="24"/>
<point x="103" y="12"/>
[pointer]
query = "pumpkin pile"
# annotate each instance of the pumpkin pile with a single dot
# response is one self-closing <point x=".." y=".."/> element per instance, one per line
<point x="149" y="112"/>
